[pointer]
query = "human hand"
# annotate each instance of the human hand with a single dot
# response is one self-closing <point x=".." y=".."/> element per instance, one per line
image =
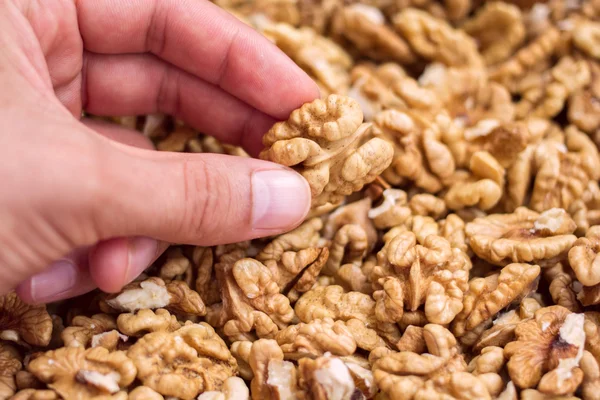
<point x="95" y="197"/>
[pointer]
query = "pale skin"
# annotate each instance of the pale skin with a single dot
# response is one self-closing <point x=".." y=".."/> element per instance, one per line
<point x="85" y="204"/>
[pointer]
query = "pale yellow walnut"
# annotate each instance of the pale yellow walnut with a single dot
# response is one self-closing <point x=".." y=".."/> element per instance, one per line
<point x="277" y="10"/>
<point x="453" y="230"/>
<point x="153" y="293"/>
<point x="147" y="321"/>
<point x="503" y="141"/>
<point x="316" y="338"/>
<point x="373" y="88"/>
<point x="405" y="375"/>
<point x="584" y="107"/>
<point x="329" y="145"/>
<point x="491" y="359"/>
<point x="353" y="213"/>
<point x="547" y="351"/>
<point x="432" y="274"/>
<point x="176" y="267"/>
<point x="487" y="296"/>
<point x="365" y="28"/>
<point x="545" y="95"/>
<point x="34" y="394"/>
<point x="83" y="329"/>
<point x="510" y="72"/>
<point x="177" y="139"/>
<point x="110" y="340"/>
<point x="583" y="257"/>
<point x="591" y="376"/>
<point x="332" y="302"/>
<point x="24" y="323"/>
<point x="482" y="193"/>
<point x="303" y="237"/>
<point x="326" y="62"/>
<point x="203" y="261"/>
<point x="457" y="385"/>
<point x="586" y="211"/>
<point x="561" y="287"/>
<point x="241" y="352"/>
<point x="592" y="332"/>
<point x="412" y="340"/>
<point x="518" y="178"/>
<point x="419" y="155"/>
<point x="427" y="205"/>
<point x="498" y="29"/>
<point x="435" y="40"/>
<point x="523" y="236"/>
<point x="144" y="393"/>
<point x="392" y="211"/>
<point x="77" y="373"/>
<point x="586" y="37"/>
<point x="350" y="245"/>
<point x="10" y="364"/>
<point x="356" y="278"/>
<point x="251" y="301"/>
<point x="183" y="363"/>
<point x="563" y="177"/>
<point x="326" y="378"/>
<point x="274" y="378"/>
<point x="234" y="388"/>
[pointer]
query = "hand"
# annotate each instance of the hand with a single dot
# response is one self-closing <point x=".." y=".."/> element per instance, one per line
<point x="85" y="205"/>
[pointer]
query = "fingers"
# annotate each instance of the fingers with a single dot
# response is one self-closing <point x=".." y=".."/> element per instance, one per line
<point x="203" y="40"/>
<point x="137" y="84"/>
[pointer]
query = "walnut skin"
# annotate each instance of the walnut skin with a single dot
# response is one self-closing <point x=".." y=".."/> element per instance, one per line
<point x="327" y="143"/>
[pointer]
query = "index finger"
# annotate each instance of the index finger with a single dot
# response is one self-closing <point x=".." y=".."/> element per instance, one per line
<point x="203" y="40"/>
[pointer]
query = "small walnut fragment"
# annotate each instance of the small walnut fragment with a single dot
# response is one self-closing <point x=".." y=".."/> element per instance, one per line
<point x="153" y="293"/>
<point x="326" y="378"/>
<point x="146" y="321"/>
<point x="329" y="145"/>
<point x="83" y="329"/>
<point x="432" y="274"/>
<point x="523" y="236"/>
<point x="547" y="351"/>
<point x="273" y="378"/>
<point x="23" y="323"/>
<point x="234" y="388"/>
<point x="583" y="257"/>
<point x="77" y="373"/>
<point x="183" y="363"/>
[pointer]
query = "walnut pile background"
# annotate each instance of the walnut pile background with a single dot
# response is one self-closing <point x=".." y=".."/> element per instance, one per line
<point x="452" y="251"/>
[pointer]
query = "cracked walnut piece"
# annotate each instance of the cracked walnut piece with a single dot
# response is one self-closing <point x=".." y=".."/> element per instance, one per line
<point x="328" y="144"/>
<point x="523" y="236"/>
<point x="584" y="259"/>
<point x="24" y="323"/>
<point x="183" y="363"/>
<point x="77" y="373"/>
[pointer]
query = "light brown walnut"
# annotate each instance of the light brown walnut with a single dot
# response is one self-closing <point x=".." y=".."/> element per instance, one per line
<point x="23" y="323"/>
<point x="10" y="364"/>
<point x="583" y="257"/>
<point x="147" y="321"/>
<point x="83" y="329"/>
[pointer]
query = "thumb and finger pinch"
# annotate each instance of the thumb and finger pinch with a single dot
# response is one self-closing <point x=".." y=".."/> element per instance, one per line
<point x="138" y="200"/>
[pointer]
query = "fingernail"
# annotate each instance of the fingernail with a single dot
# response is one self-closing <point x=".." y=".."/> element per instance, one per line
<point x="280" y="199"/>
<point x="142" y="252"/>
<point x="58" y="278"/>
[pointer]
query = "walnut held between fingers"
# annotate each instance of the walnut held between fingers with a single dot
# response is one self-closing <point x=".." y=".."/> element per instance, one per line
<point x="23" y="323"/>
<point x="327" y="143"/>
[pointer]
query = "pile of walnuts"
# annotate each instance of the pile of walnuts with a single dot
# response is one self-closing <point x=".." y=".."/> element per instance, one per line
<point x="452" y="249"/>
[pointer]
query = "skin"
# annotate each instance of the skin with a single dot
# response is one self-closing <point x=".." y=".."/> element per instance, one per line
<point x="92" y="204"/>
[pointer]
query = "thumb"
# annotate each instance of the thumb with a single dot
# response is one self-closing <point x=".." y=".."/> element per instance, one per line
<point x="200" y="199"/>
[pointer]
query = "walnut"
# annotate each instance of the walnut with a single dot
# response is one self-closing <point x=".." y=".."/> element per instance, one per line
<point x="427" y="205"/>
<point x="510" y="72"/>
<point x="477" y="190"/>
<point x="523" y="236"/>
<point x="583" y="255"/>
<point x="583" y="104"/>
<point x="355" y="278"/>
<point x="280" y="10"/>
<point x="409" y="375"/>
<point x="234" y="388"/>
<point x="26" y="380"/>
<point x="434" y="39"/>
<point x="591" y="375"/>
<point x="77" y="373"/>
<point x="153" y="293"/>
<point x="563" y="177"/>
<point x="33" y="394"/>
<point x="145" y="321"/>
<point x="176" y="267"/>
<point x="203" y="262"/>
<point x="274" y="378"/>
<point x="547" y="351"/>
<point x="364" y="27"/>
<point x="432" y="273"/>
<point x="352" y="213"/>
<point x="177" y="139"/>
<point x="332" y="302"/>
<point x="10" y="364"/>
<point x="419" y="155"/>
<point x="326" y="62"/>
<point x="83" y="329"/>
<point x="491" y="359"/>
<point x="144" y="393"/>
<point x="326" y="378"/>
<point x="498" y="28"/>
<point x="453" y="230"/>
<point x="561" y="287"/>
<point x="393" y="211"/>
<point x="487" y="296"/>
<point x="504" y="141"/>
<point x="350" y="245"/>
<point x="23" y="323"/>
<point x="585" y="38"/>
<point x="412" y="340"/>
<point x="241" y="352"/>
<point x="251" y="301"/>
<point x="183" y="363"/>
<point x="328" y="144"/>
